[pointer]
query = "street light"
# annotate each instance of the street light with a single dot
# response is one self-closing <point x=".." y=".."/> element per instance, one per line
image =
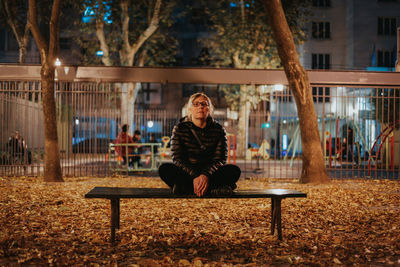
<point x="58" y="62"/>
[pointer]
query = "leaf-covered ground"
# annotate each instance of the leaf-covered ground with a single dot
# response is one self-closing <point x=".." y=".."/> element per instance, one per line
<point x="350" y="222"/>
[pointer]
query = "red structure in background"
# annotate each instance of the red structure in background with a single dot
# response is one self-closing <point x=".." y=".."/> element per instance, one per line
<point x="382" y="137"/>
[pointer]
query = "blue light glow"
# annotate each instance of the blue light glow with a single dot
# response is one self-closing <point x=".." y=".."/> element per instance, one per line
<point x="265" y="125"/>
<point x="231" y="4"/>
<point x="89" y="14"/>
<point x="284" y="142"/>
<point x="99" y="53"/>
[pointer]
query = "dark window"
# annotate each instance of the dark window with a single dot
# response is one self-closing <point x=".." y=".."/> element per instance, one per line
<point x="386" y="58"/>
<point x="321" y="3"/>
<point x="321" y="30"/>
<point x="320" y="61"/>
<point x="321" y="94"/>
<point x="386" y="26"/>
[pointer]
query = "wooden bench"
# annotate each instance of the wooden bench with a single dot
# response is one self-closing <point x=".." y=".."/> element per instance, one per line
<point x="116" y="193"/>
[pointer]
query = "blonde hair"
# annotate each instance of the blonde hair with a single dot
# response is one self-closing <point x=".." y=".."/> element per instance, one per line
<point x="192" y="98"/>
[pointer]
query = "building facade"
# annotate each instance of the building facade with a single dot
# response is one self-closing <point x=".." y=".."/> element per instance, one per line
<point x="352" y="34"/>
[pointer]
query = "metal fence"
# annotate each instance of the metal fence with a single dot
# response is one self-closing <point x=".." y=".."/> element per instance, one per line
<point x="359" y="128"/>
<point x="88" y="119"/>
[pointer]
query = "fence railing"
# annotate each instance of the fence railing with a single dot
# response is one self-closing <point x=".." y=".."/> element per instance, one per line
<point x="358" y="115"/>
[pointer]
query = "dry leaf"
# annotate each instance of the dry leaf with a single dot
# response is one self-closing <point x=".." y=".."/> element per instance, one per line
<point x="345" y="222"/>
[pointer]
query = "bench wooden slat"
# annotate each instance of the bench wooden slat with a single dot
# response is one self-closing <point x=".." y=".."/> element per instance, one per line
<point x="124" y="192"/>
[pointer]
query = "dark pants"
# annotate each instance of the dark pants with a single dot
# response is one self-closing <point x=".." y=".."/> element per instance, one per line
<point x="225" y="175"/>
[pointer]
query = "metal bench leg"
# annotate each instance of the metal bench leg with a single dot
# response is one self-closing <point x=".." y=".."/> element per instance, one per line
<point x="118" y="214"/>
<point x="272" y="216"/>
<point x="276" y="216"/>
<point x="114" y="217"/>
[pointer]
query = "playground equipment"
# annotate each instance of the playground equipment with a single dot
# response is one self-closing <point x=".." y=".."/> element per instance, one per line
<point x="382" y="137"/>
<point x="164" y="149"/>
<point x="328" y="147"/>
<point x="142" y="150"/>
<point x="333" y="152"/>
<point x="260" y="152"/>
<point x="263" y="150"/>
<point x="231" y="148"/>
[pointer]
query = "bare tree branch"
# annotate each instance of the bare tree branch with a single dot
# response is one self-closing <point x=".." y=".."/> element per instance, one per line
<point x="125" y="25"/>
<point x="21" y="32"/>
<point x="154" y="23"/>
<point x="55" y="16"/>
<point x="236" y="60"/>
<point x="242" y="10"/>
<point x="34" y="27"/>
<point x="103" y="43"/>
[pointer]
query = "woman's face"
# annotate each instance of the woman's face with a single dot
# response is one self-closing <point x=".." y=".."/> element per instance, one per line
<point x="200" y="108"/>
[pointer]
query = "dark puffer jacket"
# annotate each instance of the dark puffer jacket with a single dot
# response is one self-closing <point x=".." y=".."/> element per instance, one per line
<point x="187" y="152"/>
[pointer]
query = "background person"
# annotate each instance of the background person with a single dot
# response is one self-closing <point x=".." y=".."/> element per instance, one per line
<point x="348" y="145"/>
<point x="123" y="138"/>
<point x="137" y="149"/>
<point x="152" y="139"/>
<point x="199" y="153"/>
<point x="18" y="148"/>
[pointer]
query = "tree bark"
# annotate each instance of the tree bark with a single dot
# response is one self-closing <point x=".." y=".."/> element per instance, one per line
<point x="313" y="170"/>
<point x="48" y="52"/>
<point x="52" y="168"/>
<point x="23" y="44"/>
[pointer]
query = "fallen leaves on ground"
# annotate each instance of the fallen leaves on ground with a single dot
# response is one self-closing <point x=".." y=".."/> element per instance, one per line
<point x="346" y="222"/>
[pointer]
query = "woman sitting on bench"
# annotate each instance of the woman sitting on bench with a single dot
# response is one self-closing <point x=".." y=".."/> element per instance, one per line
<point x="199" y="151"/>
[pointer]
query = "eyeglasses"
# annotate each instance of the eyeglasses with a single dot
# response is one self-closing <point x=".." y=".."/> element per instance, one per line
<point x="198" y="104"/>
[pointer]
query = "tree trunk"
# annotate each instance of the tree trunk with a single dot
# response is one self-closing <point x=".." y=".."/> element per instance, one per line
<point x="52" y="166"/>
<point x="313" y="160"/>
<point x="52" y="169"/>
<point x="22" y="55"/>
<point x="129" y="93"/>
<point x="243" y="124"/>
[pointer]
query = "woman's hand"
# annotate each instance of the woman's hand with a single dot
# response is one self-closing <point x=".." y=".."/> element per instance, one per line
<point x="200" y="185"/>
